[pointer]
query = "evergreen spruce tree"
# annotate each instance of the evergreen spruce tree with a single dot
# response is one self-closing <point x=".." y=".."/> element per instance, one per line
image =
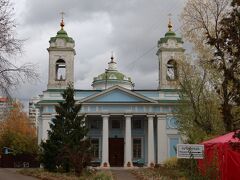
<point x="67" y="144"/>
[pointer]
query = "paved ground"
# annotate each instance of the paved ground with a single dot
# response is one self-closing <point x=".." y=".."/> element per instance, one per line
<point x="123" y="174"/>
<point x="11" y="174"/>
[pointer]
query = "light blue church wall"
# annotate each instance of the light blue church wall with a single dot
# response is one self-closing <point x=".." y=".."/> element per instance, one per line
<point x="117" y="96"/>
<point x="83" y="94"/>
<point x="150" y="94"/>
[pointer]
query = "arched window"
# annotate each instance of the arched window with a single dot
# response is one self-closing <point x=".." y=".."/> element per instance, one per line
<point x="60" y="70"/>
<point x="171" y="70"/>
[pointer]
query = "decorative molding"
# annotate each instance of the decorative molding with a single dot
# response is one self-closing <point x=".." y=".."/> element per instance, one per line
<point x="171" y="122"/>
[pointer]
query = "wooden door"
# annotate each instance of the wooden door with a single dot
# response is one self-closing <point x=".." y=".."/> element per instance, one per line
<point x="116" y="151"/>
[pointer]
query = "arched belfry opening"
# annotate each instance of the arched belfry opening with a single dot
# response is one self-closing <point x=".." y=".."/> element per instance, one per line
<point x="60" y="70"/>
<point x="171" y="70"/>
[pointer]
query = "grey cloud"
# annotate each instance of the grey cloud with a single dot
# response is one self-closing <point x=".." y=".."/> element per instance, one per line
<point x="130" y="28"/>
<point x="45" y="11"/>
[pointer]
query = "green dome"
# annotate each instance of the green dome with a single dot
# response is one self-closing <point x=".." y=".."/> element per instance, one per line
<point x="112" y="75"/>
<point x="170" y="33"/>
<point x="63" y="35"/>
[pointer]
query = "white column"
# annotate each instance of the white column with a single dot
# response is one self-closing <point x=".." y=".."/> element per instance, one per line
<point x="128" y="142"/>
<point x="105" y="129"/>
<point x="162" y="144"/>
<point x="151" y="159"/>
<point x="46" y="119"/>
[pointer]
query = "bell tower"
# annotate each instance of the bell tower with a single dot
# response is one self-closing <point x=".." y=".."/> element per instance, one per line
<point x="170" y="51"/>
<point x="61" y="60"/>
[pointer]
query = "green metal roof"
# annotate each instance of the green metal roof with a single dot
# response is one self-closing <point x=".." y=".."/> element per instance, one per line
<point x="107" y="76"/>
<point x="170" y="35"/>
<point x="63" y="35"/>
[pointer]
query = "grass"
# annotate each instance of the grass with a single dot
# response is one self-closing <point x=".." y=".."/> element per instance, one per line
<point x="158" y="173"/>
<point x="87" y="175"/>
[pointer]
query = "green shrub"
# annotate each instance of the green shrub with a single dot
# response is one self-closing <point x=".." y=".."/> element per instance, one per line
<point x="171" y="163"/>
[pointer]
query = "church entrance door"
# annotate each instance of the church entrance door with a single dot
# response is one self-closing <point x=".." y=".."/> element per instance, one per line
<point x="116" y="151"/>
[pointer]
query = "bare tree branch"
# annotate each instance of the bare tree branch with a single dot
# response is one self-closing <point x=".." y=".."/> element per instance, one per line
<point x="10" y="74"/>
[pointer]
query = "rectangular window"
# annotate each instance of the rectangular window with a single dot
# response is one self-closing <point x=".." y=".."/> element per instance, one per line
<point x="137" y="124"/>
<point x="137" y="148"/>
<point x="116" y="124"/>
<point x="94" y="124"/>
<point x="95" y="148"/>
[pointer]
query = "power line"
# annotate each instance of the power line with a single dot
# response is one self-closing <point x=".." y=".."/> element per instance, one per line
<point x="153" y="47"/>
<point x="144" y="54"/>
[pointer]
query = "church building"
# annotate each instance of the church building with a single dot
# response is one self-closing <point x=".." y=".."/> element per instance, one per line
<point x="128" y="127"/>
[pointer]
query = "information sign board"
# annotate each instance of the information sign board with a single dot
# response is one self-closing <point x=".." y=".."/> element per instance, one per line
<point x="187" y="151"/>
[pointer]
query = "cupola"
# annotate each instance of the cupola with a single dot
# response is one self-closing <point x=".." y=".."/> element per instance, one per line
<point x="112" y="77"/>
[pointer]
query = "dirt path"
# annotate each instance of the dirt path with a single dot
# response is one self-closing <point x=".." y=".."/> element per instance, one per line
<point x="123" y="174"/>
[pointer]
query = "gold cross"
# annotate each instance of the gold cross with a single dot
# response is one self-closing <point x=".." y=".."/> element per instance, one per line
<point x="170" y="22"/>
<point x="62" y="22"/>
<point x="112" y="56"/>
<point x="62" y="13"/>
<point x="170" y="15"/>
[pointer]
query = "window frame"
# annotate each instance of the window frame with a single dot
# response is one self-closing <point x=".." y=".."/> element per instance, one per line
<point x="97" y="123"/>
<point x="60" y="64"/>
<point x="141" y="147"/>
<point x="135" y="127"/>
<point x="98" y="150"/>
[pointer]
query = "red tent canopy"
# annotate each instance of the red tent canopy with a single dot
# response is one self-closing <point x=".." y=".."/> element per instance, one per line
<point x="222" y="139"/>
<point x="219" y="153"/>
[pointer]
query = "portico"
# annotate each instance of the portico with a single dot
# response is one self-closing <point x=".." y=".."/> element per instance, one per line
<point x="136" y="131"/>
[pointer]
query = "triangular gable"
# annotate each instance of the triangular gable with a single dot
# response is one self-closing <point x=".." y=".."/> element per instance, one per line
<point x="117" y="94"/>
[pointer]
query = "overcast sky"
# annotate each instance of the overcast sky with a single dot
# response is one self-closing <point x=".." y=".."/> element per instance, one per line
<point x="129" y="28"/>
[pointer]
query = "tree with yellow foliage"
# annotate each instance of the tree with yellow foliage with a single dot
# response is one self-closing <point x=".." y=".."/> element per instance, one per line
<point x="17" y="133"/>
